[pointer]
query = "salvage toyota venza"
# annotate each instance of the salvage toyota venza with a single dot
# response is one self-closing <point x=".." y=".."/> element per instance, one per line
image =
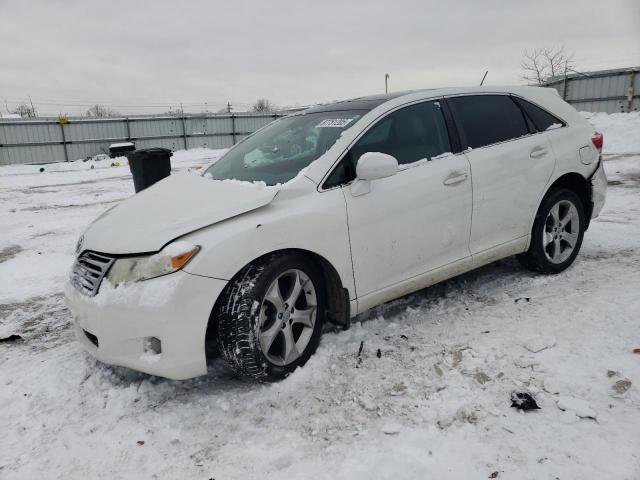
<point x="326" y="213"/>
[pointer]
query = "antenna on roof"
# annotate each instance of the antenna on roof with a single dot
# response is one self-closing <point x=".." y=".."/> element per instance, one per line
<point x="485" y="76"/>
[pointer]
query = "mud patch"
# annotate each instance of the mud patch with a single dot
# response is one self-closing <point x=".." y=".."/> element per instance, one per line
<point x="72" y="205"/>
<point x="9" y="252"/>
<point x="610" y="254"/>
<point x="43" y="322"/>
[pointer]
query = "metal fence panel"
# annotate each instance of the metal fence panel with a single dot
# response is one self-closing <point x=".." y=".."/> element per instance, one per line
<point x="251" y="124"/>
<point x="75" y="131"/>
<point x="210" y="141"/>
<point x="31" y="132"/>
<point x="156" y="128"/>
<point x="30" y="154"/>
<point x="42" y="141"/>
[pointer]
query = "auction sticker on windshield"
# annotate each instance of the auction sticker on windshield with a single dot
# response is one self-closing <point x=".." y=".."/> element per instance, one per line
<point x="334" y="122"/>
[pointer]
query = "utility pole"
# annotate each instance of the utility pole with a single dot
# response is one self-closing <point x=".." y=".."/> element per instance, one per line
<point x="386" y="83"/>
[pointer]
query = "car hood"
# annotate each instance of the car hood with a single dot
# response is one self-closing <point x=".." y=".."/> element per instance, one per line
<point x="173" y="207"/>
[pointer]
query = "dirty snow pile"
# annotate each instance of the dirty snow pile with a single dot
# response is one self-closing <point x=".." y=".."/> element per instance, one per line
<point x="499" y="373"/>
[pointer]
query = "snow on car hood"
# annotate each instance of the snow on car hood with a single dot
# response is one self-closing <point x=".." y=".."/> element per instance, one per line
<point x="173" y="207"/>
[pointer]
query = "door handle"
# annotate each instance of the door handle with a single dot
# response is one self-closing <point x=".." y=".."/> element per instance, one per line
<point x="455" y="177"/>
<point x="538" y="152"/>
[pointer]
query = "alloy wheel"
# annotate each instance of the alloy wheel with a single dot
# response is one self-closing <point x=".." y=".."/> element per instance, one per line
<point x="561" y="231"/>
<point x="287" y="317"/>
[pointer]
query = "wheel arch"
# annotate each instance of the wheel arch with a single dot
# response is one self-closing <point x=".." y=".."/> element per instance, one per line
<point x="579" y="185"/>
<point x="338" y="303"/>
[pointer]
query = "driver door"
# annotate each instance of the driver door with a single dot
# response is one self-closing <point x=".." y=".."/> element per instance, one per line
<point x="417" y="220"/>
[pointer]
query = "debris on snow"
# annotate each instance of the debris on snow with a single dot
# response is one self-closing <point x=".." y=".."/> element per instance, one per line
<point x="621" y="386"/>
<point x="636" y="350"/>
<point x="11" y="338"/>
<point x="359" y="356"/>
<point x="523" y="401"/>
<point x="461" y="416"/>
<point x="367" y="404"/>
<point x="522" y="299"/>
<point x="482" y="378"/>
<point x="456" y="357"/>
<point x="391" y="428"/>
<point x="9" y="252"/>
<point x="539" y="343"/>
<point x="525" y="362"/>
<point x="611" y="373"/>
<point x="576" y="405"/>
<point x="398" y="389"/>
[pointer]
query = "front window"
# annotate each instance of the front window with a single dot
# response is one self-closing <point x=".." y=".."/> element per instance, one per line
<point x="411" y="134"/>
<point x="277" y="153"/>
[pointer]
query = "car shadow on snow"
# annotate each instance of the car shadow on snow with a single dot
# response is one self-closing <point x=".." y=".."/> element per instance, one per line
<point x="480" y="284"/>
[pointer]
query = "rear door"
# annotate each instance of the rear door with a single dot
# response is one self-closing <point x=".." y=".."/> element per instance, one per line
<point x="510" y="167"/>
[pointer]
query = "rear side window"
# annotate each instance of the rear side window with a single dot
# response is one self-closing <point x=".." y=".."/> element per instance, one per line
<point x="487" y="119"/>
<point x="542" y="120"/>
<point x="413" y="133"/>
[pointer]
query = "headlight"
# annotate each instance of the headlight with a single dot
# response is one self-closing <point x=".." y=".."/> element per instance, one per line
<point x="170" y="259"/>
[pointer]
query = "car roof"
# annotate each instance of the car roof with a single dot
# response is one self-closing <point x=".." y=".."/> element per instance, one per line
<point x="371" y="101"/>
<point x="368" y="102"/>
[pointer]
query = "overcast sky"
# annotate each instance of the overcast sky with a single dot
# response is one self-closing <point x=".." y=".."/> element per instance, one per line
<point x="142" y="56"/>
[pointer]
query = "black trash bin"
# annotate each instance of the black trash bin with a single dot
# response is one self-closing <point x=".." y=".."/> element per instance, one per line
<point x="149" y="166"/>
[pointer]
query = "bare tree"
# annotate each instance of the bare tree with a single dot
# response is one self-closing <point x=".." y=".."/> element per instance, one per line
<point x="263" y="105"/>
<point x="542" y="64"/>
<point x="25" y="111"/>
<point x="101" y="111"/>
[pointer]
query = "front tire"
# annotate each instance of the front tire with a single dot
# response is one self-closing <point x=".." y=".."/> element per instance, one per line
<point x="557" y="233"/>
<point x="270" y="316"/>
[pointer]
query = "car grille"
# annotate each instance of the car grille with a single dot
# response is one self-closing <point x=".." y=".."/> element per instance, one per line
<point x="89" y="270"/>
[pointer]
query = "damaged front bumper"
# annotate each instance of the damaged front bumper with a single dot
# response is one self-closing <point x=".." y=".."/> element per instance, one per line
<point x="598" y="190"/>
<point x="157" y="326"/>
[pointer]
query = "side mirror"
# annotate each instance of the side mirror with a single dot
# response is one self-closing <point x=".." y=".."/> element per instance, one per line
<point x="375" y="165"/>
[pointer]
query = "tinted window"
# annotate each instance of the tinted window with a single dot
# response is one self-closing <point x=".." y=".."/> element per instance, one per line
<point x="542" y="120"/>
<point x="487" y="119"/>
<point x="410" y="134"/>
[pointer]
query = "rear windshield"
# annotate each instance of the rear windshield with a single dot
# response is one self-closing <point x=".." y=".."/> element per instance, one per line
<point x="278" y="152"/>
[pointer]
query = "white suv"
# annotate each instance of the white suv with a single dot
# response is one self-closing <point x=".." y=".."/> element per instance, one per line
<point x="324" y="214"/>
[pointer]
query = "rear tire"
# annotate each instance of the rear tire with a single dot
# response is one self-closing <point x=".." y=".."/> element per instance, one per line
<point x="557" y="233"/>
<point x="267" y="327"/>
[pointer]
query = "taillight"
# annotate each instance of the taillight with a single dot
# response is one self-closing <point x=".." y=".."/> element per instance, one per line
<point x="598" y="141"/>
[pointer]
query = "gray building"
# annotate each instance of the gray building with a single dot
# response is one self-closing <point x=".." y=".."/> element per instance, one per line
<point x="607" y="91"/>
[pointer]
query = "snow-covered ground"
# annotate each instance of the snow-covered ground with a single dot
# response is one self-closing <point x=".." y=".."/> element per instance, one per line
<point x="428" y="396"/>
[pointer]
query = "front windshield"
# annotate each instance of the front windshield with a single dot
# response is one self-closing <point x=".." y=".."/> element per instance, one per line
<point x="277" y="153"/>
